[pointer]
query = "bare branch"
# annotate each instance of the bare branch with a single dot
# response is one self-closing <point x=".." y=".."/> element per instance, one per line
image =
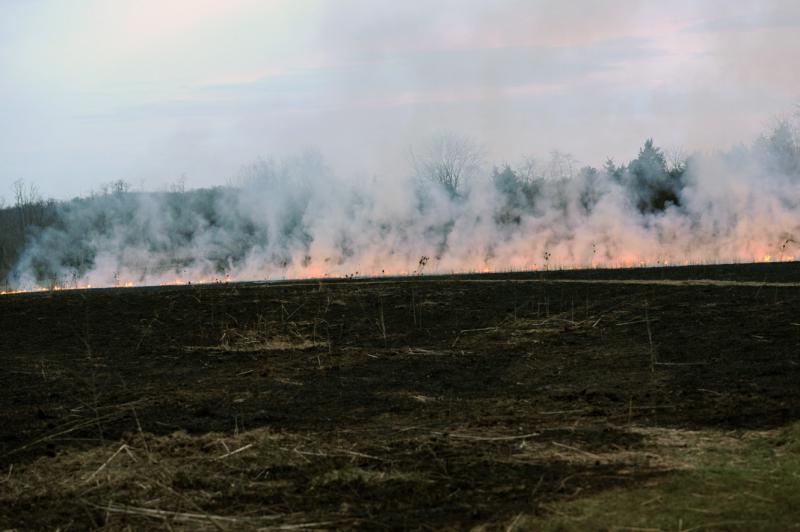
<point x="448" y="160"/>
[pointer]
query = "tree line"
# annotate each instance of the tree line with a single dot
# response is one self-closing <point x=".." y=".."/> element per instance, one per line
<point x="652" y="183"/>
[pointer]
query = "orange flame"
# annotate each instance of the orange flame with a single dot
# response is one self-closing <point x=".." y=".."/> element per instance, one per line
<point x="317" y="272"/>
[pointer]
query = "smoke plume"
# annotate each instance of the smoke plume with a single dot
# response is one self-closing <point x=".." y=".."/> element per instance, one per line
<point x="453" y="213"/>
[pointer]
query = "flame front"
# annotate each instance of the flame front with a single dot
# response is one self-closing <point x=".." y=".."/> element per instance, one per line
<point x="313" y="273"/>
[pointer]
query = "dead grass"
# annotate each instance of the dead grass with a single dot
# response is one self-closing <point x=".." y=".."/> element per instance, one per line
<point x="262" y="336"/>
<point x="711" y="480"/>
<point x="167" y="481"/>
<point x="175" y="481"/>
<point x="357" y="475"/>
<point x="249" y="346"/>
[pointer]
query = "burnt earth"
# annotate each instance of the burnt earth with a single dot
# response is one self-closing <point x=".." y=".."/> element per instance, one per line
<point x="444" y="379"/>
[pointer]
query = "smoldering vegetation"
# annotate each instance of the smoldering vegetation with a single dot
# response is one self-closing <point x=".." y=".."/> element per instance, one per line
<point x="454" y="212"/>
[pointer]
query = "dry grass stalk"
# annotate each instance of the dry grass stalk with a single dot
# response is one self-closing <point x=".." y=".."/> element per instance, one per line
<point x="577" y="450"/>
<point x="123" y="447"/>
<point x="650" y="338"/>
<point x="167" y="514"/>
<point x="231" y="453"/>
<point x="490" y="438"/>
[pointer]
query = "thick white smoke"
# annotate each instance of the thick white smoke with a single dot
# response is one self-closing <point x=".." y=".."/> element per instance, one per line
<point x="298" y="218"/>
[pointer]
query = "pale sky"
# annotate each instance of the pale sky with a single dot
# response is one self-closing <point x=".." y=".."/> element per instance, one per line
<point x="149" y="90"/>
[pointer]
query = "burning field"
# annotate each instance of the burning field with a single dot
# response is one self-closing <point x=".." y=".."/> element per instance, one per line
<point x="297" y="218"/>
<point x="657" y="398"/>
<point x="453" y="265"/>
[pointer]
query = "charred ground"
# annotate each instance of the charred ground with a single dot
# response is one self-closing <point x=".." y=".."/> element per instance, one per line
<point x="448" y="401"/>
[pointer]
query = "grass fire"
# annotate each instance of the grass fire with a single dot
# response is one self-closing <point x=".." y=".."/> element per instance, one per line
<point x="455" y="265"/>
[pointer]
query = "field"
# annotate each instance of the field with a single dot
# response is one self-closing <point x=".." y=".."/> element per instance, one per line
<point x="659" y="399"/>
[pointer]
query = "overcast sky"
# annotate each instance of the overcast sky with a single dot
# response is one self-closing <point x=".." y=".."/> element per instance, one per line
<point x="148" y="90"/>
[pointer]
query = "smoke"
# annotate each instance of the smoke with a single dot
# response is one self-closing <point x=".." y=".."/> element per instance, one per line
<point x="298" y="218"/>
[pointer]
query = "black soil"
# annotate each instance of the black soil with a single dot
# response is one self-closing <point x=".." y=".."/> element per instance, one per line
<point x="439" y="376"/>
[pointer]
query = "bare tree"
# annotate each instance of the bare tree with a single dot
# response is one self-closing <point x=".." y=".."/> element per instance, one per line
<point x="179" y="186"/>
<point x="561" y="165"/>
<point x="120" y="186"/>
<point x="25" y="193"/>
<point x="528" y="170"/>
<point x="447" y="159"/>
<point x="677" y="160"/>
<point x="27" y="202"/>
